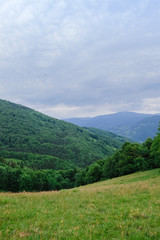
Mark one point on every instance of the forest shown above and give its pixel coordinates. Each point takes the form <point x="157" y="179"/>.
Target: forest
<point x="25" y="130"/>
<point x="17" y="176"/>
<point x="40" y="153"/>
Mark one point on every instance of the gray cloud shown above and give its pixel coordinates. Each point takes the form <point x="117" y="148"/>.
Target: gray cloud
<point x="69" y="58"/>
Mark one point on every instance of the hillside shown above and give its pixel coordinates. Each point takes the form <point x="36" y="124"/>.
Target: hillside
<point x="143" y="129"/>
<point x="132" y="125"/>
<point x="25" y="130"/>
<point x="121" y="208"/>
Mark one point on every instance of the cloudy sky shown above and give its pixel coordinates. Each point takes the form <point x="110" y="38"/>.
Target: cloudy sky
<point x="69" y="58"/>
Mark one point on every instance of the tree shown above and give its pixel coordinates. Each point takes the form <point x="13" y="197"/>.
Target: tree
<point x="3" y="178"/>
<point x="94" y="173"/>
<point x="155" y="151"/>
<point x="26" y="182"/>
<point x="140" y="164"/>
<point x="80" y="178"/>
<point x="13" y="179"/>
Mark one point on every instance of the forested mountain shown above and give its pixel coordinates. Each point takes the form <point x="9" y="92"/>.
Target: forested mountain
<point x="132" y="125"/>
<point x="143" y="129"/>
<point x="40" y="153"/>
<point x="25" y="130"/>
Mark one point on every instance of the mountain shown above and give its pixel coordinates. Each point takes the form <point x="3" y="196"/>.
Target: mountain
<point x="143" y="129"/>
<point x="132" y="125"/>
<point x="109" y="121"/>
<point x="25" y="130"/>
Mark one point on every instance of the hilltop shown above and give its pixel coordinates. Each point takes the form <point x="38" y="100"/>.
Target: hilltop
<point x="25" y="130"/>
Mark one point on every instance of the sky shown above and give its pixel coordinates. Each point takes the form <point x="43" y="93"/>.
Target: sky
<point x="81" y="58"/>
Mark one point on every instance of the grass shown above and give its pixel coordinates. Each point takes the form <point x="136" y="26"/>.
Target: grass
<point x="122" y="208"/>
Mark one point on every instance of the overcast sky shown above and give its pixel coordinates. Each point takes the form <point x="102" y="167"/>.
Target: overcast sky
<point x="71" y="58"/>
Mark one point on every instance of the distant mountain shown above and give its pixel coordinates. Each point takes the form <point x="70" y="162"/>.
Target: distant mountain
<point x="132" y="125"/>
<point x="25" y="130"/>
<point x="143" y="129"/>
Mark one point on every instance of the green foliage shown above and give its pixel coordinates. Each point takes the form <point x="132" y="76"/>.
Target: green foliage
<point x="35" y="161"/>
<point x="25" y="130"/>
<point x="15" y="178"/>
<point x="132" y="157"/>
<point x="69" y="149"/>
<point x="26" y="182"/>
<point x="94" y="173"/>
<point x="3" y="178"/>
<point x="25" y="175"/>
<point x="155" y="151"/>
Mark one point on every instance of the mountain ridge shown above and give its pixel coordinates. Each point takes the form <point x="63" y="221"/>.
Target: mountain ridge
<point x="128" y="124"/>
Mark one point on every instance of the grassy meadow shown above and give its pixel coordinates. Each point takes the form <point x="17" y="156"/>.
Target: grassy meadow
<point x="127" y="207"/>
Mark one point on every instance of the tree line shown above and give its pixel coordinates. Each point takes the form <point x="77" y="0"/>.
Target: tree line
<point x="16" y="175"/>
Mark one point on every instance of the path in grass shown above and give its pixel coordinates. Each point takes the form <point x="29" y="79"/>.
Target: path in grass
<point x="122" y="208"/>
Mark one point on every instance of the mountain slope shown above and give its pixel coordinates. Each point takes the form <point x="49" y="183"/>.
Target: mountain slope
<point x="25" y="130"/>
<point x="144" y="129"/>
<point x="132" y="125"/>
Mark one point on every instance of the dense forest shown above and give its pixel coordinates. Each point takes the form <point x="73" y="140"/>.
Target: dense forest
<point x="93" y="155"/>
<point x="132" y="157"/>
<point x="25" y="130"/>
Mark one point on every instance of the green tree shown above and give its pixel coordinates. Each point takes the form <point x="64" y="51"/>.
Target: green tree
<point x="26" y="182"/>
<point x="155" y="151"/>
<point x="80" y="178"/>
<point x="13" y="183"/>
<point x="3" y="178"/>
<point x="94" y="173"/>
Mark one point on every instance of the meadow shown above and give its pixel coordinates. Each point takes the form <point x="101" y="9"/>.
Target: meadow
<point x="122" y="208"/>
